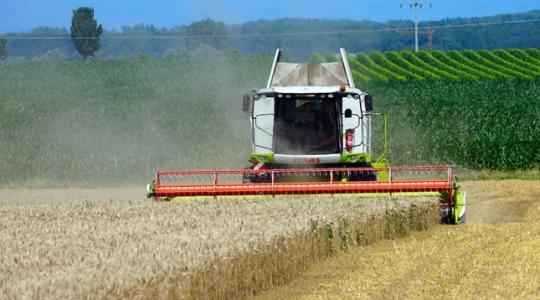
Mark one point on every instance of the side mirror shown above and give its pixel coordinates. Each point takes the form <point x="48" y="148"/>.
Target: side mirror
<point x="246" y="103"/>
<point x="368" y="100"/>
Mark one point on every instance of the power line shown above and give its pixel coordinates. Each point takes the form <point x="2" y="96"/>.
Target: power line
<point x="124" y="36"/>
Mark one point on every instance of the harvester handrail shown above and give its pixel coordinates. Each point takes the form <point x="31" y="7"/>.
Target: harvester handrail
<point x="302" y="170"/>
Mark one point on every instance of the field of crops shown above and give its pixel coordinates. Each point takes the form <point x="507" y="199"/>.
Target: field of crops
<point x="117" y="121"/>
<point x="478" y="125"/>
<point x="109" y="243"/>
<point x="395" y="67"/>
<point x="475" y="109"/>
<point x="495" y="256"/>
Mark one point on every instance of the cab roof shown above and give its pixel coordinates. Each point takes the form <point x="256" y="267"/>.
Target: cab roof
<point x="308" y="90"/>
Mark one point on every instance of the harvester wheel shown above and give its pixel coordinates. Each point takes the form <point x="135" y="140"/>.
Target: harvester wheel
<point x="456" y="214"/>
<point x="446" y="217"/>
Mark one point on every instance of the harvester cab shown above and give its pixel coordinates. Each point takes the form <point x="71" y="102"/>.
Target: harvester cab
<point x="310" y="115"/>
<point x="311" y="134"/>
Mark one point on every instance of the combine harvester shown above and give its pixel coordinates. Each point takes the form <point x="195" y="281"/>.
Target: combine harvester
<point x="311" y="134"/>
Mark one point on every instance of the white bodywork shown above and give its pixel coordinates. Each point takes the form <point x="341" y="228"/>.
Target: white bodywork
<point x="353" y="99"/>
<point x="262" y="124"/>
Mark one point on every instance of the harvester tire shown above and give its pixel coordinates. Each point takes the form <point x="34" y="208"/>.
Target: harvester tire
<point x="447" y="216"/>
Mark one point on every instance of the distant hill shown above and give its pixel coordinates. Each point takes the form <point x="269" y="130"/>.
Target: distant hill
<point x="298" y="37"/>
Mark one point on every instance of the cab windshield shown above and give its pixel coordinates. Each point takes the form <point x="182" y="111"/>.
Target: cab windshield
<point x="306" y="126"/>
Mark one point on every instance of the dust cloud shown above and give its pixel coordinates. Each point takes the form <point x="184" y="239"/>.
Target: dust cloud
<point x="110" y="122"/>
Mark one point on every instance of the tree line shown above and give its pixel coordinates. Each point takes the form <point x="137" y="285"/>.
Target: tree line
<point x="298" y="37"/>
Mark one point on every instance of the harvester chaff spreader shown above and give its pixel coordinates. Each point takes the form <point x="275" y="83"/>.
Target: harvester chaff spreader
<point x="311" y="134"/>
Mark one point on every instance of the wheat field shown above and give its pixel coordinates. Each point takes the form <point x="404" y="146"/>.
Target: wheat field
<point x="109" y="243"/>
<point x="495" y="256"/>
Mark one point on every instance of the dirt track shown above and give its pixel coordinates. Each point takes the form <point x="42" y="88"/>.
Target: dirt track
<point x="70" y="195"/>
<point x="495" y="256"/>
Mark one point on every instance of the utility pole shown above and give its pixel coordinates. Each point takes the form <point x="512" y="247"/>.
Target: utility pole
<point x="415" y="6"/>
<point x="428" y="32"/>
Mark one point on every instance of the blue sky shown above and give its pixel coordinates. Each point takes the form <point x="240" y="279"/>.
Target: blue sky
<point x="23" y="15"/>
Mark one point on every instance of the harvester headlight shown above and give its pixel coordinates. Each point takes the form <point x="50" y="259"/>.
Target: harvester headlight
<point x="356" y="96"/>
<point x="280" y="95"/>
<point x="352" y="158"/>
<point x="330" y="96"/>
